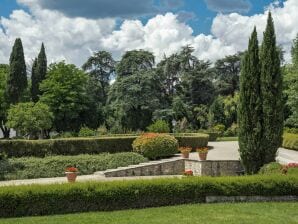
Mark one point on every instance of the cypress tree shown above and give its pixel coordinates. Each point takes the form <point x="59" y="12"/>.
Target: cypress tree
<point x="17" y="78"/>
<point x="250" y="108"/>
<point x="42" y="64"/>
<point x="34" y="82"/>
<point x="271" y="93"/>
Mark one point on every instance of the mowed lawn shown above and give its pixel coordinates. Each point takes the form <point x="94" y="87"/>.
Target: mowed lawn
<point x="186" y="214"/>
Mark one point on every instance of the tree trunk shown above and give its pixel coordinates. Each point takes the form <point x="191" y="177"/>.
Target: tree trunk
<point x="5" y="131"/>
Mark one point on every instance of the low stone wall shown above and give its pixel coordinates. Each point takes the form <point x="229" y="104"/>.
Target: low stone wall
<point x="176" y="166"/>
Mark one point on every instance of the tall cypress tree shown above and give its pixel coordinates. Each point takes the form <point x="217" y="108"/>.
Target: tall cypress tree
<point x="271" y="93"/>
<point x="17" y="78"/>
<point x="250" y="108"/>
<point x="34" y="82"/>
<point x="42" y="64"/>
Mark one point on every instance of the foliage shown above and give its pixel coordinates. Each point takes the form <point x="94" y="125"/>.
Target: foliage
<point x="271" y="94"/>
<point x="153" y="146"/>
<point x="17" y="78"/>
<point x="290" y="141"/>
<point x="216" y="112"/>
<point x="64" y="91"/>
<point x="193" y="140"/>
<point x="29" y="119"/>
<point x="103" y="196"/>
<point x="4" y="105"/>
<point x="54" y="166"/>
<point x="276" y="168"/>
<point x="159" y="126"/>
<point x="86" y="132"/>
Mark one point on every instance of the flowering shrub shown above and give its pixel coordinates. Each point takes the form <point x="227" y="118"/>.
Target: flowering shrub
<point x="71" y="169"/>
<point x="153" y="145"/>
<point x="185" y="149"/>
<point x="202" y="150"/>
<point x="188" y="173"/>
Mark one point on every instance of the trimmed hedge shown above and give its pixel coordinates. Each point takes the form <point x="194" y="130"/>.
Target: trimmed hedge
<point x="54" y="166"/>
<point x="105" y="196"/>
<point x="290" y="141"/>
<point x="76" y="146"/>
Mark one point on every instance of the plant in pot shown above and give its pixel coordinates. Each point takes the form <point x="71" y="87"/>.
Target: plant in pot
<point x="202" y="153"/>
<point x="185" y="151"/>
<point x="71" y="174"/>
<point x="188" y="173"/>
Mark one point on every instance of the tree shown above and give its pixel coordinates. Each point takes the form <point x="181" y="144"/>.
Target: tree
<point x="64" y="91"/>
<point x="227" y="74"/>
<point x="101" y="67"/>
<point x="34" y="82"/>
<point x="250" y="109"/>
<point x="216" y="112"/>
<point x="271" y="93"/>
<point x="30" y="119"/>
<point x="17" y="78"/>
<point x="4" y="70"/>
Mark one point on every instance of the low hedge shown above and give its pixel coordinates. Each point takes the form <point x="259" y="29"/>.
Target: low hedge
<point x="37" y="200"/>
<point x="54" y="166"/>
<point x="290" y="141"/>
<point x="76" y="146"/>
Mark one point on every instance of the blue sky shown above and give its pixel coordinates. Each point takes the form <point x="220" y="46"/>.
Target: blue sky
<point x="196" y="13"/>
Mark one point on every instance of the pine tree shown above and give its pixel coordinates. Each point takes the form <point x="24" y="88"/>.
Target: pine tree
<point x="271" y="93"/>
<point x="17" y="78"/>
<point x="250" y="109"/>
<point x="34" y="82"/>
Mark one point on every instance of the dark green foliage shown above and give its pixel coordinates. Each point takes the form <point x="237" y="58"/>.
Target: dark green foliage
<point x="154" y="146"/>
<point x="193" y="140"/>
<point x="86" y="132"/>
<point x="42" y="64"/>
<point x="34" y="82"/>
<point x="216" y="112"/>
<point x="4" y="105"/>
<point x="271" y="94"/>
<point x="54" y="166"/>
<point x="17" y="78"/>
<point x="250" y="109"/>
<point x="290" y="141"/>
<point x="37" y="200"/>
<point x="159" y="126"/>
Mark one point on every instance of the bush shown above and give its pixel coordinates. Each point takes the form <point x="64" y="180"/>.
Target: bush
<point x="291" y="130"/>
<point x="219" y="128"/>
<point x="212" y="134"/>
<point x="290" y="141"/>
<point x="54" y="166"/>
<point x="159" y="126"/>
<point x="231" y="131"/>
<point x="153" y="146"/>
<point x="86" y="132"/>
<point x="69" y="146"/>
<point x="193" y="140"/>
<point x="38" y="200"/>
<point x="276" y="168"/>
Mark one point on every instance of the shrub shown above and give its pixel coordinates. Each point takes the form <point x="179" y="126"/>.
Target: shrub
<point x="290" y="141"/>
<point x="54" y="166"/>
<point x="219" y="128"/>
<point x="231" y="131"/>
<point x="102" y="130"/>
<point x="291" y="130"/>
<point x="86" y="132"/>
<point x="192" y="140"/>
<point x="159" y="126"/>
<point x="103" y="196"/>
<point x="155" y="146"/>
<point x="276" y="168"/>
<point x="69" y="146"/>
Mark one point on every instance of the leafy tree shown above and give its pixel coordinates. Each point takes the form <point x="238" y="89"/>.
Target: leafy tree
<point x="271" y="93"/>
<point x="4" y="71"/>
<point x="216" y="112"/>
<point x="227" y="74"/>
<point x="159" y="126"/>
<point x="230" y="109"/>
<point x="101" y="67"/>
<point x="64" y="91"/>
<point x="250" y="109"/>
<point x="17" y="78"/>
<point x="30" y="119"/>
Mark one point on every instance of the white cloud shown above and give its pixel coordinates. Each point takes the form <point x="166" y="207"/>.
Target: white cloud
<point x="73" y="39"/>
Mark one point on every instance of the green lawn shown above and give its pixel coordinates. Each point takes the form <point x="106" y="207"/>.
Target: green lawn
<point x="186" y="214"/>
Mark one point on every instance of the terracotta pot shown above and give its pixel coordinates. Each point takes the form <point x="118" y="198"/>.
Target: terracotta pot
<point x="71" y="176"/>
<point x="185" y="155"/>
<point x="203" y="156"/>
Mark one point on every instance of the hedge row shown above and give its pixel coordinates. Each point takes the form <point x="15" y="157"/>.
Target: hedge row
<point x="76" y="146"/>
<point x="105" y="196"/>
<point x="290" y="141"/>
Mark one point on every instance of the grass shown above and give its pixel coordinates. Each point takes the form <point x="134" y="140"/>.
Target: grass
<point x="187" y="214"/>
<point x="221" y="139"/>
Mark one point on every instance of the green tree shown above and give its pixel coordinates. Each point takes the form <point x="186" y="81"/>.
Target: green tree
<point x="4" y="71"/>
<point x="17" y="78"/>
<point x="64" y="91"/>
<point x="250" y="109"/>
<point x="271" y="93"/>
<point x="30" y="119"/>
<point x="34" y="82"/>
<point x="216" y="112"/>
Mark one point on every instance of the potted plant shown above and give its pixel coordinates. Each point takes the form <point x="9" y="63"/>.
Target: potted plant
<point x="185" y="151"/>
<point x="202" y="153"/>
<point x="188" y="173"/>
<point x="71" y="174"/>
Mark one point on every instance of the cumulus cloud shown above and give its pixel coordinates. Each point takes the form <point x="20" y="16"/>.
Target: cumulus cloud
<point x="227" y="6"/>
<point x="74" y="39"/>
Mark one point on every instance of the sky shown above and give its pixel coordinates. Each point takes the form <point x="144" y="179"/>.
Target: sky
<point x="73" y="29"/>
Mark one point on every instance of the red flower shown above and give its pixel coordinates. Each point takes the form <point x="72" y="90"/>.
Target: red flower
<point x="188" y="173"/>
